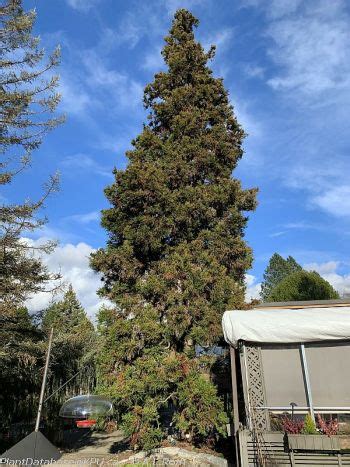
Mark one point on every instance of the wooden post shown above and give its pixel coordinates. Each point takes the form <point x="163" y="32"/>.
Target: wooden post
<point x="43" y="384"/>
<point x="235" y="401"/>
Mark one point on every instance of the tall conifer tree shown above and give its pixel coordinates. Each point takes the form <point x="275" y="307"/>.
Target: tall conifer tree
<point x="176" y="258"/>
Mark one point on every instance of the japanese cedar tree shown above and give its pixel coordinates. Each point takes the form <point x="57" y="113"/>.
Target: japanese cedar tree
<point x="175" y="259"/>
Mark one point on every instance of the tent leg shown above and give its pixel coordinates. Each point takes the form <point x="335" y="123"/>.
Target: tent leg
<point x="307" y="380"/>
<point x="234" y="401"/>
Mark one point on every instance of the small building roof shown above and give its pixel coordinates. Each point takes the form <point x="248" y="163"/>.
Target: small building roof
<point x="296" y="324"/>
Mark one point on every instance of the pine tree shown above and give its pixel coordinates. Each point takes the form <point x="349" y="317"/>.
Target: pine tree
<point x="27" y="102"/>
<point x="277" y="269"/>
<point x="67" y="316"/>
<point x="176" y="258"/>
<point x="26" y="96"/>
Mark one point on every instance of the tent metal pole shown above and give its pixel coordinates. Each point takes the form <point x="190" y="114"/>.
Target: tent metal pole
<point x="43" y="384"/>
<point x="307" y="380"/>
<point x="235" y="401"/>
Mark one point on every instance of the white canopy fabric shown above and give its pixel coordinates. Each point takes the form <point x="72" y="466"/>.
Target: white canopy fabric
<point x="281" y="326"/>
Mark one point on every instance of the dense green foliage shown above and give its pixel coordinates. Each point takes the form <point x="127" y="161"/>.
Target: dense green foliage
<point x="309" y="425"/>
<point x="22" y="353"/>
<point x="23" y="344"/>
<point x="176" y="258"/>
<point x="303" y="285"/>
<point x="73" y="350"/>
<point x="277" y="269"/>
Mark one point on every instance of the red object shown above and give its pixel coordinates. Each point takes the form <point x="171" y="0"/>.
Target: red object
<point x="85" y="423"/>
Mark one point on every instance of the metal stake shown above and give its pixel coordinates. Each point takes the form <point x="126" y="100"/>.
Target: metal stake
<point x="43" y="384"/>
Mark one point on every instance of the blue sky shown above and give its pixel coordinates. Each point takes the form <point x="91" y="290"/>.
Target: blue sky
<point x="286" y="64"/>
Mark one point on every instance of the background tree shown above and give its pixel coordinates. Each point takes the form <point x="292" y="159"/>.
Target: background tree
<point x="176" y="258"/>
<point x="27" y="103"/>
<point x="277" y="269"/>
<point x="74" y="348"/>
<point x="22" y="355"/>
<point x="302" y="285"/>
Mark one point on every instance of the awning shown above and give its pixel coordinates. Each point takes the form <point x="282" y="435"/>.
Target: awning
<point x="281" y="326"/>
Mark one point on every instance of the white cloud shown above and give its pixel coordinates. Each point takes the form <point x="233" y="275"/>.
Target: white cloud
<point x="125" y="91"/>
<point x="73" y="263"/>
<point x="253" y="288"/>
<point x="245" y="117"/>
<point x="75" y="99"/>
<point x="154" y="61"/>
<point x="221" y="39"/>
<point x="328" y="270"/>
<point x="335" y="201"/>
<point x="311" y="48"/>
<point x="82" y="5"/>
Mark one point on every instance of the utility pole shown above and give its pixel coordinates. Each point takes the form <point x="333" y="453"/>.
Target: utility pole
<point x="44" y="382"/>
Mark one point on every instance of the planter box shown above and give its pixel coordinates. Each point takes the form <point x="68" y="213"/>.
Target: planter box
<point x="314" y="443"/>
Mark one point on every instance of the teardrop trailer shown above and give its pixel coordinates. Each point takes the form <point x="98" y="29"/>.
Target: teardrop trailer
<point x="289" y="360"/>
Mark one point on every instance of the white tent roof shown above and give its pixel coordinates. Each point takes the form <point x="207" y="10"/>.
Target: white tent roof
<point x="286" y="326"/>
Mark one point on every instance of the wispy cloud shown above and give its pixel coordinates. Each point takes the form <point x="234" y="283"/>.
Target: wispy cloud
<point x="125" y="91"/>
<point x="221" y="39"/>
<point x="85" y="218"/>
<point x="277" y="234"/>
<point x="75" y="99"/>
<point x="85" y="162"/>
<point x="173" y="5"/>
<point x="254" y="71"/>
<point x="311" y="47"/>
<point x="154" y="60"/>
<point x="308" y="45"/>
<point x="82" y="5"/>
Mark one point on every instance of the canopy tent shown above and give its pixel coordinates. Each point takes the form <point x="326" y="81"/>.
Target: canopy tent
<point x="281" y="326"/>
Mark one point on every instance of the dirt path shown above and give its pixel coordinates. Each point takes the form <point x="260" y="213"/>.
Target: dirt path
<point x="91" y="448"/>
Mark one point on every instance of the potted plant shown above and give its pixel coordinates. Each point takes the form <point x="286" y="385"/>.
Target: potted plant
<point x="307" y="436"/>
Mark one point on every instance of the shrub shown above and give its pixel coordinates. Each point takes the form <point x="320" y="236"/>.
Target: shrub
<point x="293" y="427"/>
<point x="329" y="427"/>
<point x="142" y="427"/>
<point x="201" y="414"/>
<point x="309" y="425"/>
<point x="303" y="285"/>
